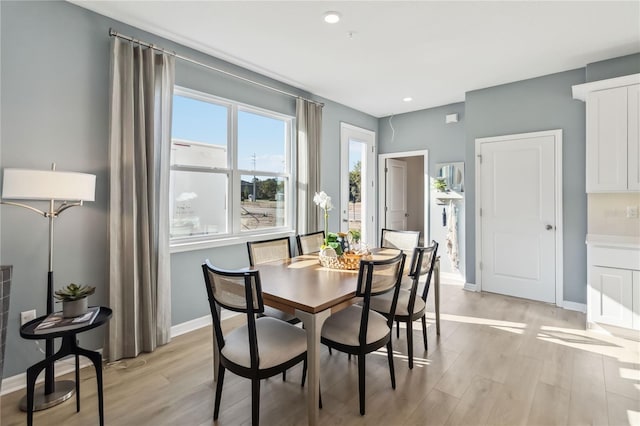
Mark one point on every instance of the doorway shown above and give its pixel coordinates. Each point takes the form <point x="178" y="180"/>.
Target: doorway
<point x="519" y="215"/>
<point x="357" y="182"/>
<point x="403" y="181"/>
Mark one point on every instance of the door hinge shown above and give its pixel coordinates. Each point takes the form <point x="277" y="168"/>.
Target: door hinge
<point x="386" y="170"/>
<point x="480" y="266"/>
<point x="479" y="158"/>
<point x="480" y="211"/>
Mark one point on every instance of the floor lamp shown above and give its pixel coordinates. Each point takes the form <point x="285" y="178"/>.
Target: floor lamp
<point x="66" y="189"/>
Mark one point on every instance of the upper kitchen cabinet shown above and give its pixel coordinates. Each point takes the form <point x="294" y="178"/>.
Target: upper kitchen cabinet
<point x="613" y="122"/>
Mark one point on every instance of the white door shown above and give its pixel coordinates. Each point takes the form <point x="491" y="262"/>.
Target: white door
<point x="395" y="194"/>
<point x="357" y="187"/>
<point x="517" y="216"/>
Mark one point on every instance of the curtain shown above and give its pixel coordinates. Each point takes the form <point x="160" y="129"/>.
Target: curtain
<point x="139" y="289"/>
<point x="309" y="122"/>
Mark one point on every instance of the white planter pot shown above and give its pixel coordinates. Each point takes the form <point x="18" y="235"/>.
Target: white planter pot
<point x="75" y="308"/>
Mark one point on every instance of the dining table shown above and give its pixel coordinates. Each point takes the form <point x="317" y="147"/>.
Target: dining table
<point x="312" y="292"/>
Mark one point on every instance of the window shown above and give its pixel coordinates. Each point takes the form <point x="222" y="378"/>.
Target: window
<point x="230" y="169"/>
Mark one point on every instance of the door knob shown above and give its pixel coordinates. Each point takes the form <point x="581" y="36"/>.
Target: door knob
<point x="406" y="215"/>
<point x="549" y="227"/>
<point x="345" y="220"/>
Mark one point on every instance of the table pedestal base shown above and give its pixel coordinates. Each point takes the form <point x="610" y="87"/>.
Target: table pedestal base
<point x="64" y="390"/>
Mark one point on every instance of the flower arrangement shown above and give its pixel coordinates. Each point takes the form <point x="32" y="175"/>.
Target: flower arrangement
<point x="323" y="201"/>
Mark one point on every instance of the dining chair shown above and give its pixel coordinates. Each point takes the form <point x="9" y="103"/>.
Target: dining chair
<point x="269" y="251"/>
<point x="403" y="240"/>
<point x="409" y="306"/>
<point x="261" y="348"/>
<point x="358" y="330"/>
<point x="310" y="243"/>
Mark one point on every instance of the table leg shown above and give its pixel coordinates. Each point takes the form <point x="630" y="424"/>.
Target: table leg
<point x="436" y="282"/>
<point x="313" y="327"/>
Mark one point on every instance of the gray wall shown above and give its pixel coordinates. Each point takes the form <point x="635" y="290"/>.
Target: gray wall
<point x="615" y="67"/>
<point x="55" y="81"/>
<point x="426" y="129"/>
<point x="542" y="103"/>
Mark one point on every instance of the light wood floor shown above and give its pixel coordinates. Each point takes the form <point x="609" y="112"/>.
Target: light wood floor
<point x="499" y="361"/>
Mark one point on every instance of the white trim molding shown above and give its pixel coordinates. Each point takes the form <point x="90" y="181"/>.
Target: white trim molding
<point x="580" y="91"/>
<point x="471" y="287"/>
<point x="574" y="306"/>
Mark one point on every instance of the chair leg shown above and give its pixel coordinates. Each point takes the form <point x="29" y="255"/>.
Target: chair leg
<point x="361" y="382"/>
<point x="284" y="376"/>
<point x="391" y="371"/>
<point x="77" y="383"/>
<point x="304" y="372"/>
<point x="255" y="402"/>
<point x="216" y="409"/>
<point x="424" y="332"/>
<point x="398" y="329"/>
<point x="330" y="350"/>
<point x="410" y="344"/>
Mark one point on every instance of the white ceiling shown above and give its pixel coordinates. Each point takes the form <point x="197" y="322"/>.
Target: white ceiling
<point x="432" y="51"/>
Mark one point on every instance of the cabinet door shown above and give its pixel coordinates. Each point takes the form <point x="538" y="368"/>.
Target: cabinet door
<point x="607" y="140"/>
<point x="633" y="116"/>
<point x="636" y="299"/>
<point x="611" y="296"/>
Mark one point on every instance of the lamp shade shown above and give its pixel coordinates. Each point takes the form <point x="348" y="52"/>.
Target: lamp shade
<point x="24" y="184"/>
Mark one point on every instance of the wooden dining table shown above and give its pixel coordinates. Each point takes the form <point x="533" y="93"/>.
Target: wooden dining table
<point x="304" y="288"/>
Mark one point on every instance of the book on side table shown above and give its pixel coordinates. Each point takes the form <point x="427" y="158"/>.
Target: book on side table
<point x="56" y="322"/>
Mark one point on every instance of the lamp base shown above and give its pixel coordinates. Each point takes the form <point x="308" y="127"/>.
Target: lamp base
<point x="64" y="390"/>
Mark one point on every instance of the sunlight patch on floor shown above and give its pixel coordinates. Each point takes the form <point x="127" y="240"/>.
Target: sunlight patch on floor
<point x="481" y="321"/>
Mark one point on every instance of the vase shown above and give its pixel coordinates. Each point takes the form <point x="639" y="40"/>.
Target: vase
<point x="75" y="308"/>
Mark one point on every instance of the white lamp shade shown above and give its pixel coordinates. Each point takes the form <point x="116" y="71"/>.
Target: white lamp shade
<point x="24" y="184"/>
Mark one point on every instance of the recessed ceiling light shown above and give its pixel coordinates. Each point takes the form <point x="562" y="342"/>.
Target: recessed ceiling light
<point x="331" y="17"/>
<point x="407" y="99"/>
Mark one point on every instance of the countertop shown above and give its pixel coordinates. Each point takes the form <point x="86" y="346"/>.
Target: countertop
<point x="613" y="241"/>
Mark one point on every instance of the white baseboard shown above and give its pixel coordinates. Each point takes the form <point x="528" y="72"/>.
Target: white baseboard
<point x="573" y="306"/>
<point x="191" y="325"/>
<point x="470" y="287"/>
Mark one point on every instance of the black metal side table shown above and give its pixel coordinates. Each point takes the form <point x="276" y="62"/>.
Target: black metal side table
<point x="69" y="347"/>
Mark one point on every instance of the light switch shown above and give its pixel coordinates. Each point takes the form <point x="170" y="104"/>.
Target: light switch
<point x="632" y="211"/>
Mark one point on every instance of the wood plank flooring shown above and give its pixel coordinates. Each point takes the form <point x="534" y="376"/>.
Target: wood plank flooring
<point x="498" y="361"/>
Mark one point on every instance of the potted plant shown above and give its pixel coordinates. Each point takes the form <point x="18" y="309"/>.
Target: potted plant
<point x="74" y="299"/>
<point x="440" y="184"/>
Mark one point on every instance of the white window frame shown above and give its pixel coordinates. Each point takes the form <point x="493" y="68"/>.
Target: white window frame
<point x="234" y="234"/>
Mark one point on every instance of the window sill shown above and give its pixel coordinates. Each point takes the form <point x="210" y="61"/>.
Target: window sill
<point x="186" y="246"/>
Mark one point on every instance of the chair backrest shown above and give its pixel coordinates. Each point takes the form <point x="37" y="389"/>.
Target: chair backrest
<point x="238" y="291"/>
<point x="424" y="259"/>
<point x="423" y="264"/>
<point x="403" y="240"/>
<point x="378" y="277"/>
<point x="269" y="250"/>
<point x="310" y="243"/>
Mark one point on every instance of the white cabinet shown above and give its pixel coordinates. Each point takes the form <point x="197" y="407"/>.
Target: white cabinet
<point x="613" y="147"/>
<point x="611" y="296"/>
<point x="614" y="282"/>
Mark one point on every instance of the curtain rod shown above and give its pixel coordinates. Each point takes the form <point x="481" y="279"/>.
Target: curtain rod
<point x="113" y="33"/>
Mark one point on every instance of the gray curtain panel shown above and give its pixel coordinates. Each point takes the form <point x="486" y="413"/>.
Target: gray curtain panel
<point x="309" y="129"/>
<point x="139" y="279"/>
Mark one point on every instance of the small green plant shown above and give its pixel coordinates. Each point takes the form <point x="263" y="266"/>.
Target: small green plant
<point x="355" y="234"/>
<point x="74" y="292"/>
<point x="440" y="184"/>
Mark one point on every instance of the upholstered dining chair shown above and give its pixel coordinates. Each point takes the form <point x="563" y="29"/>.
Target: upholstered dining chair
<point x="310" y="243"/>
<point x="358" y="330"/>
<point x="409" y="306"/>
<point x="261" y="348"/>
<point x="403" y="240"/>
<point x="269" y="251"/>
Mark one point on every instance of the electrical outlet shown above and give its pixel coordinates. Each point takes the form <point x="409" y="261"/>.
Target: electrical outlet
<point x="632" y="212"/>
<point x="27" y="316"/>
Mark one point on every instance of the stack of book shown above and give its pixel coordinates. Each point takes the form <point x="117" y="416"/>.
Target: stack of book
<point x="56" y="322"/>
